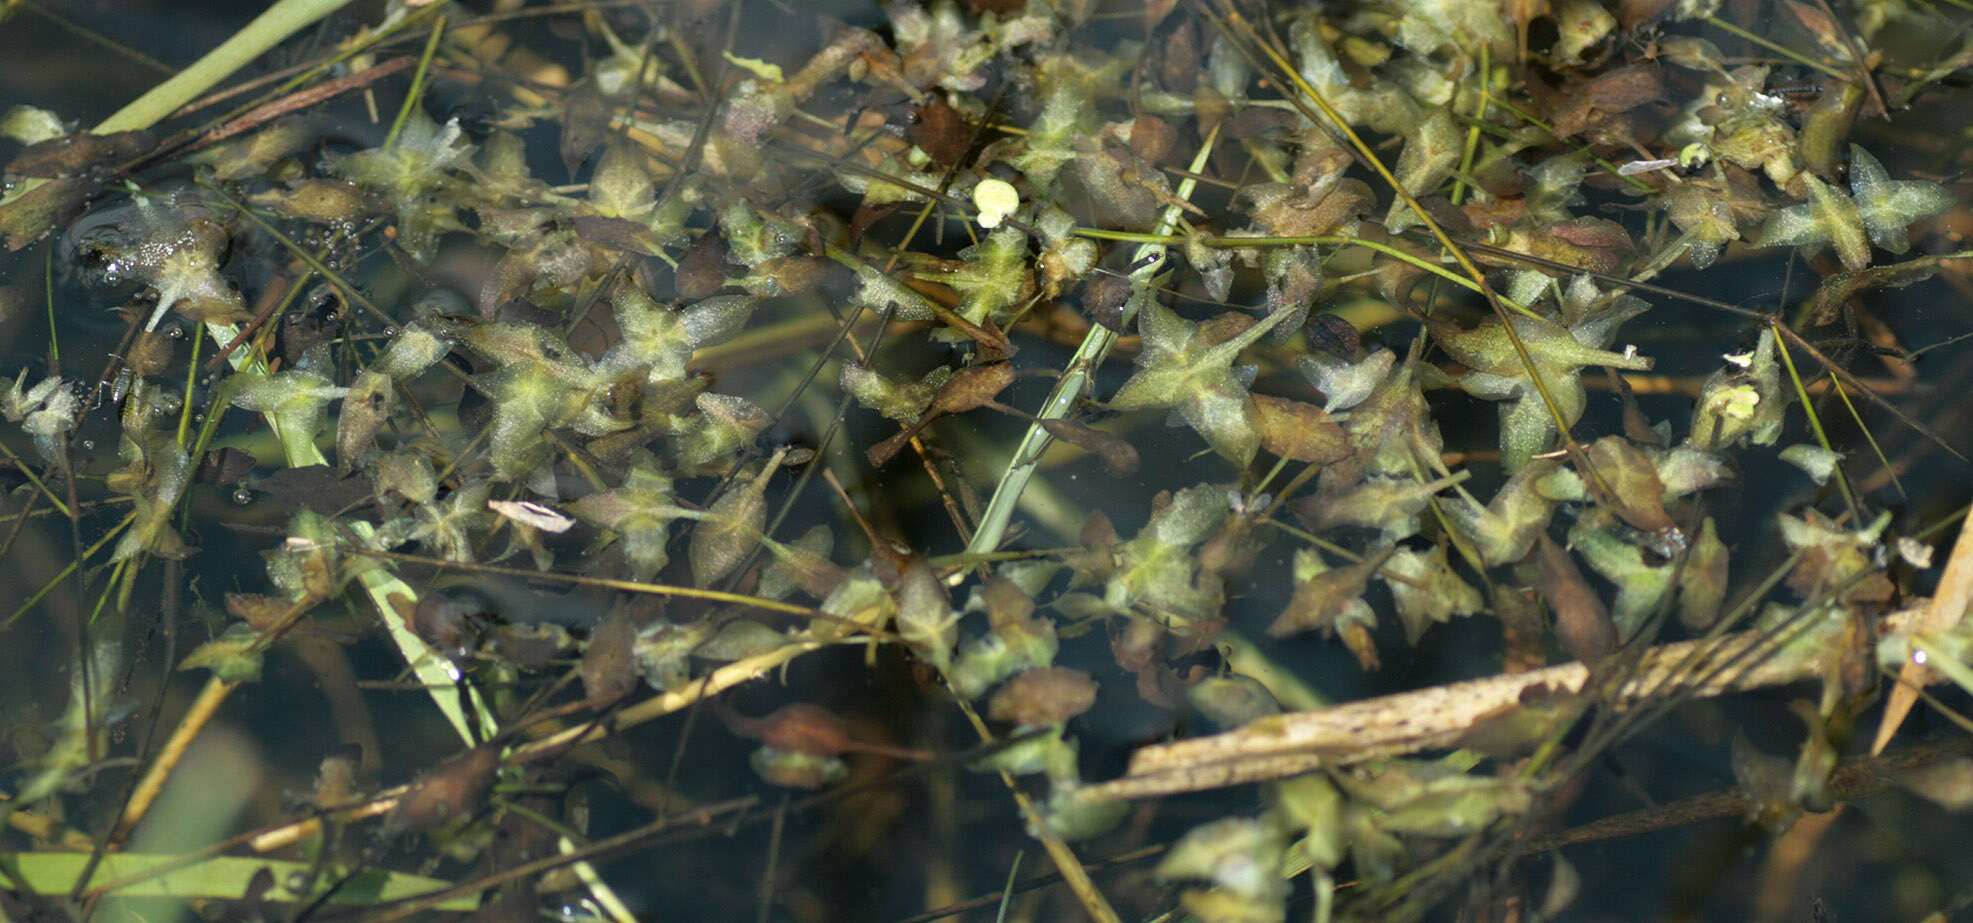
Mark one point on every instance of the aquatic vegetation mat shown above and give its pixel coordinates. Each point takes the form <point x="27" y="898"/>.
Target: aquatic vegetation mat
<point x="1041" y="458"/>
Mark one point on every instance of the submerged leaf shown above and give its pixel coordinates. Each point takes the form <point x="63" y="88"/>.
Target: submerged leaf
<point x="1183" y="367"/>
<point x="1327" y="598"/>
<point x="1426" y="590"/>
<point x="1042" y="696"/>
<point x="925" y="617"/>
<point x="1829" y="217"/>
<point x="1889" y="206"/>
<point x="731" y="527"/>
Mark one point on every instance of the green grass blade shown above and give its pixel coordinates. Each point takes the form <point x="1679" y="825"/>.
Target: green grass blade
<point x="219" y="878"/>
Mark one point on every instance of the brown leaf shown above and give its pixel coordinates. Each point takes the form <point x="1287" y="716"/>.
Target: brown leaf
<point x="365" y="408"/>
<point x="585" y="125"/>
<point x="967" y="389"/>
<point x="1043" y="695"/>
<point x="1819" y="25"/>
<point x="1582" y="623"/>
<point x="29" y="216"/>
<point x="1179" y="57"/>
<point x="791" y="275"/>
<point x="796" y="728"/>
<point x="446" y="794"/>
<point x="1523" y="636"/>
<point x="81" y="152"/>
<point x="1574" y="108"/>
<point x="1624" y="88"/>
<point x="1119" y="457"/>
<point x="152" y="353"/>
<point x="1634" y="492"/>
<point x="939" y="130"/>
<point x="1321" y="598"/>
<point x="1296" y="430"/>
<point x="972" y="387"/>
<point x="609" y="670"/>
<point x="609" y="233"/>
<point x="1007" y="605"/>
<point x="1335" y="335"/>
<point x="259" y="612"/>
<point x="1152" y="138"/>
<point x="702" y="267"/>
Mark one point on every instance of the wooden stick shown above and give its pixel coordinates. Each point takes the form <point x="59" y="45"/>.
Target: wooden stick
<point x="1279" y="746"/>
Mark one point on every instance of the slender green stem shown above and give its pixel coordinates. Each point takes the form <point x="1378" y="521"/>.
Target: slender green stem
<point x="1145" y="263"/>
<point x="1319" y="240"/>
<point x="34" y="479"/>
<point x="1815" y="424"/>
<point x="1472" y="145"/>
<point x="56" y="581"/>
<point x="270" y="28"/>
<point x="1868" y="437"/>
<point x="417" y="93"/>
<point x="1607" y="166"/>
<point x="48" y="295"/>
<point x="1784" y="51"/>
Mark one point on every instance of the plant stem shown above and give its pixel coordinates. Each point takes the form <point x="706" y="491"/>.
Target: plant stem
<point x="270" y="28"/>
<point x="1145" y="263"/>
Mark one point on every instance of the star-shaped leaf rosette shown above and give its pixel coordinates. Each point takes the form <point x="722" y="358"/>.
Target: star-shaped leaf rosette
<point x="1878" y="207"/>
<point x="1186" y="367"/>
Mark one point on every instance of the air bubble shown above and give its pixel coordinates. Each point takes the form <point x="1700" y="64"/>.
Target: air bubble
<point x="243" y="496"/>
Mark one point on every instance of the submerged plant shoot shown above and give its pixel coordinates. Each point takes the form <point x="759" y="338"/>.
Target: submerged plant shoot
<point x="988" y="459"/>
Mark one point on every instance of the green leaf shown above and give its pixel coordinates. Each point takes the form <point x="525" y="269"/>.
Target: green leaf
<point x="1880" y="206"/>
<point x="1497" y="372"/>
<point x="218" y="878"/>
<point x="622" y="187"/>
<point x="231" y="656"/>
<point x="1426" y="590"/>
<point x="1240" y="854"/>
<point x="995" y="276"/>
<point x="1183" y="368"/>
<point x="1889" y="206"/>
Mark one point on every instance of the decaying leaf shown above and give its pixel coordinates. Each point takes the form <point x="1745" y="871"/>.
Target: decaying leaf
<point x="1582" y="623"/>
<point x="1041" y="696"/>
